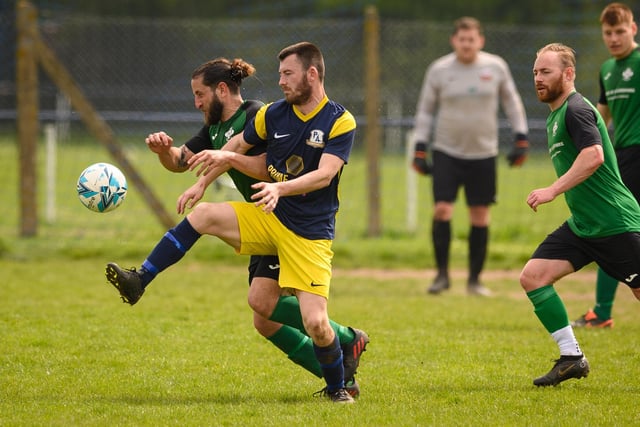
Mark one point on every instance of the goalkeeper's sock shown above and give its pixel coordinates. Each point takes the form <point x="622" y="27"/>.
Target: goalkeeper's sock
<point x="606" y="287"/>
<point x="441" y="235"/>
<point x="287" y="312"/>
<point x="553" y="315"/>
<point x="478" y="240"/>
<point x="169" y="250"/>
<point x="298" y="347"/>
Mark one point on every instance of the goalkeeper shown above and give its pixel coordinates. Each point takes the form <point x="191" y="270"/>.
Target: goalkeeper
<point x="459" y="99"/>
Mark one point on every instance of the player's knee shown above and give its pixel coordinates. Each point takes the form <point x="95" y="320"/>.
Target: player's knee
<point x="319" y="330"/>
<point x="443" y="211"/>
<point x="199" y="217"/>
<point x="528" y="280"/>
<point x="259" y="306"/>
<point x="265" y="327"/>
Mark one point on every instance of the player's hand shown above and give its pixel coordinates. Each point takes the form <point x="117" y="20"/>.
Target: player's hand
<point x="190" y="197"/>
<point x="159" y="142"/>
<point x="421" y="162"/>
<point x="267" y="196"/>
<point x="207" y="160"/>
<point x="519" y="152"/>
<point x="539" y="197"/>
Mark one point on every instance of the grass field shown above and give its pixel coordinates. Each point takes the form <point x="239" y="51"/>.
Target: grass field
<point x="187" y="354"/>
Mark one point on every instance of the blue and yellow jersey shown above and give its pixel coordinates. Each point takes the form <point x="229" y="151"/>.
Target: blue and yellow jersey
<point x="295" y="143"/>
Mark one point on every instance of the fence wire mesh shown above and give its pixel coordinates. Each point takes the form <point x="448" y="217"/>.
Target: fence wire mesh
<point x="136" y="73"/>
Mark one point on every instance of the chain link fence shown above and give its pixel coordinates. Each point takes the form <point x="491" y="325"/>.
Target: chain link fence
<point x="136" y="73"/>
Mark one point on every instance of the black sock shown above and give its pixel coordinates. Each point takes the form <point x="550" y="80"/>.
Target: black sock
<point x="441" y="235"/>
<point x="478" y="240"/>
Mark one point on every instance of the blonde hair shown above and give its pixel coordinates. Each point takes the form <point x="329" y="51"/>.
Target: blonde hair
<point x="566" y="54"/>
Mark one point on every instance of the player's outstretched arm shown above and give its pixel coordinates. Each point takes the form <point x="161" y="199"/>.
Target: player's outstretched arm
<point x="172" y="158"/>
<point x="231" y="155"/>
<point x="588" y="161"/>
<point x="193" y="194"/>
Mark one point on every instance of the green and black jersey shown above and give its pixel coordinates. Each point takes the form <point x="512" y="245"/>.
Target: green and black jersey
<point x="620" y="91"/>
<point x="215" y="136"/>
<point x="601" y="205"/>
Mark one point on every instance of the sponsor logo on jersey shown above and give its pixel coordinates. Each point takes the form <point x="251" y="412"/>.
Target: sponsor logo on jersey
<point x="316" y="139"/>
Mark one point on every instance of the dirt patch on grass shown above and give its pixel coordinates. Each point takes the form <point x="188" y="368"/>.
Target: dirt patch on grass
<point x="429" y="274"/>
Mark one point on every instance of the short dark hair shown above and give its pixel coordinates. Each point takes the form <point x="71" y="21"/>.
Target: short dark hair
<point x="615" y="14"/>
<point x="467" y="23"/>
<point x="308" y="54"/>
<point x="222" y="70"/>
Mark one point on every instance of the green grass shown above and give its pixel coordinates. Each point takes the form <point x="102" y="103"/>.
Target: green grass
<point x="187" y="354"/>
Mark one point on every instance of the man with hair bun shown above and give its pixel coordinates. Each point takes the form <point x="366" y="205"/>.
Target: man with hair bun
<point x="216" y="90"/>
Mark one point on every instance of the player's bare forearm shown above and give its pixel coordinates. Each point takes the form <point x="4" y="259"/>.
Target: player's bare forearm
<point x="172" y="160"/>
<point x="193" y="194"/>
<point x="253" y="166"/>
<point x="585" y="164"/>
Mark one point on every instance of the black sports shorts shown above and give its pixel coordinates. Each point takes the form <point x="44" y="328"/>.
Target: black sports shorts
<point x="617" y="255"/>
<point x="477" y="176"/>
<point x="264" y="266"/>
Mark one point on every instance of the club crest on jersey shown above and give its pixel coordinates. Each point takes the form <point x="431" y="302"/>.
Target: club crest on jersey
<point x="316" y="139"/>
<point x="627" y="74"/>
<point x="228" y="134"/>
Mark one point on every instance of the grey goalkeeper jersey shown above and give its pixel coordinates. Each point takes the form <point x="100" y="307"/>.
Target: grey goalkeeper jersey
<point x="463" y="99"/>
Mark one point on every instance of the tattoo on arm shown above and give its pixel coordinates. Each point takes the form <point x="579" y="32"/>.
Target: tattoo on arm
<point x="182" y="161"/>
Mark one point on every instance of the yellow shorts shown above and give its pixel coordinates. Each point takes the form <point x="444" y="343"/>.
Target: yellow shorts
<point x="304" y="264"/>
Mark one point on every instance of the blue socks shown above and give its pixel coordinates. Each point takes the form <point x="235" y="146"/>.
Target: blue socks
<point x="169" y="250"/>
<point x="330" y="359"/>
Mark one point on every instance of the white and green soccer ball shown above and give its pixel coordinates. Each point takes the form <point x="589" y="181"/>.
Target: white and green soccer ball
<point x="102" y="187"/>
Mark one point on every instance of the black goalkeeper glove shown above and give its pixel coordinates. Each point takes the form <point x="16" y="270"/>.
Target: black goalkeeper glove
<point x="519" y="152"/>
<point x="421" y="162"/>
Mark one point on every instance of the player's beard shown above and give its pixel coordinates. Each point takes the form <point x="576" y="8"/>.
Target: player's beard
<point x="214" y="113"/>
<point x="552" y="92"/>
<point x="301" y="94"/>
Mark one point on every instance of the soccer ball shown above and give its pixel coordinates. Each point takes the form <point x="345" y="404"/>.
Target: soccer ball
<point x="102" y="187"/>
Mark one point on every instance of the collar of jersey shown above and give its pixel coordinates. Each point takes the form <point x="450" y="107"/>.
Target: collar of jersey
<point x="305" y="117"/>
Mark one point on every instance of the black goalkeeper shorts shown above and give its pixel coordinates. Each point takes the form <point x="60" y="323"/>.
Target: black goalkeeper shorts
<point x="478" y="177"/>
